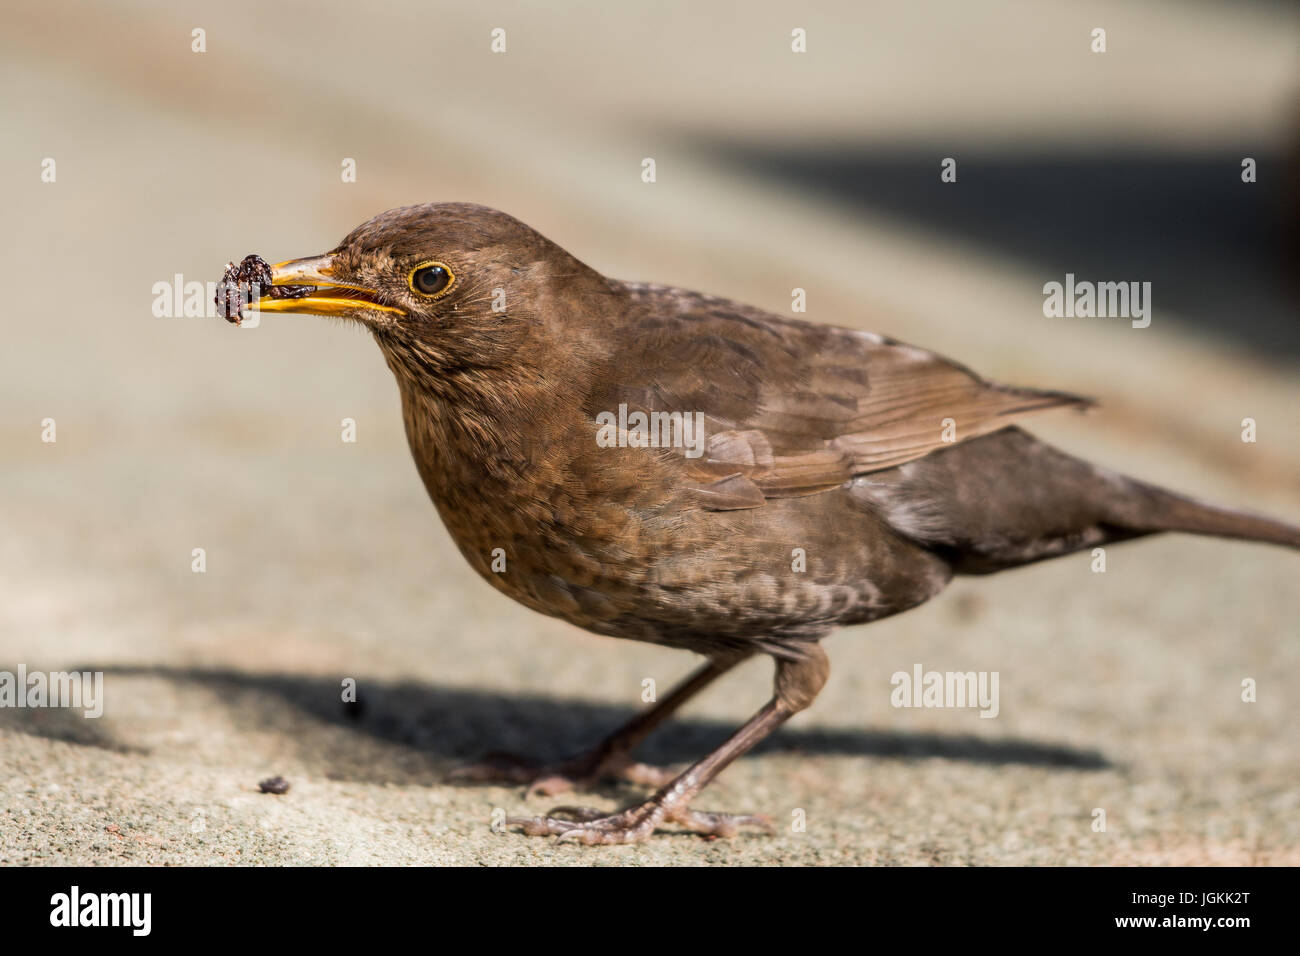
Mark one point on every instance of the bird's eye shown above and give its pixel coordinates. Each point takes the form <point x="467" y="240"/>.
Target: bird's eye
<point x="432" y="279"/>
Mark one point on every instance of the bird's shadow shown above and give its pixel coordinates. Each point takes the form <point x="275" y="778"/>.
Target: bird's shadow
<point x="427" y="729"/>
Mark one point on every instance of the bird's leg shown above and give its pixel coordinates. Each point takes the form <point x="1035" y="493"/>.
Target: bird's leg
<point x="797" y="684"/>
<point x="609" y="759"/>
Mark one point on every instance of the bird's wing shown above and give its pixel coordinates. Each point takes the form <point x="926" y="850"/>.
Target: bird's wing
<point x="791" y="408"/>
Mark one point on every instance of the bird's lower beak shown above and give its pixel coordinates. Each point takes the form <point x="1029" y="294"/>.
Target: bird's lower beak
<point x="309" y="286"/>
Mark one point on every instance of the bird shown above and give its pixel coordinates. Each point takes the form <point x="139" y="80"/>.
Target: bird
<point x="661" y="465"/>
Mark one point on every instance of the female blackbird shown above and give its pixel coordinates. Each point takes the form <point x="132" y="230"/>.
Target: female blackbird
<point x="666" y="466"/>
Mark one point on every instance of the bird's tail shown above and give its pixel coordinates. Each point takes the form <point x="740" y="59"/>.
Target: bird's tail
<point x="1161" y="510"/>
<point x="1007" y="499"/>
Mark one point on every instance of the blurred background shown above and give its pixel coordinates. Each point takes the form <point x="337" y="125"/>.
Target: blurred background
<point x="774" y="170"/>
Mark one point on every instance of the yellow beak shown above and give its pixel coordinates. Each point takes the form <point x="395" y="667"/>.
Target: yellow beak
<point x="328" y="296"/>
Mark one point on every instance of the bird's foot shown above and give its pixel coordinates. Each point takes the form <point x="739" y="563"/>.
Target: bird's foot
<point x="634" y="824"/>
<point x="549" y="780"/>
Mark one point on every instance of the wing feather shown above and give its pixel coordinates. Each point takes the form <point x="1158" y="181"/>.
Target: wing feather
<point x="791" y="408"/>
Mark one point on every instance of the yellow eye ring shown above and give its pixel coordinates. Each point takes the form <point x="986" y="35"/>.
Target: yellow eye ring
<point x="431" y="279"/>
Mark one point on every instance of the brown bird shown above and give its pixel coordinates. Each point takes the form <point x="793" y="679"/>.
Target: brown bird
<point x="666" y="466"/>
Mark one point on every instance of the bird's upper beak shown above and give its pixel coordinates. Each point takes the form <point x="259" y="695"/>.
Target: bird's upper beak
<point x="312" y="288"/>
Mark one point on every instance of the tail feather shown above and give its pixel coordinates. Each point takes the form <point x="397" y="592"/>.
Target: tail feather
<point x="1007" y="499"/>
<point x="1167" y="511"/>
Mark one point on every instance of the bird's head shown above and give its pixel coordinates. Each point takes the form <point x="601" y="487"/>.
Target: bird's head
<point x="446" y="288"/>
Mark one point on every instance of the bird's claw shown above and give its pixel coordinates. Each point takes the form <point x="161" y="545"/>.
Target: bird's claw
<point x="712" y="824"/>
<point x="592" y="827"/>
